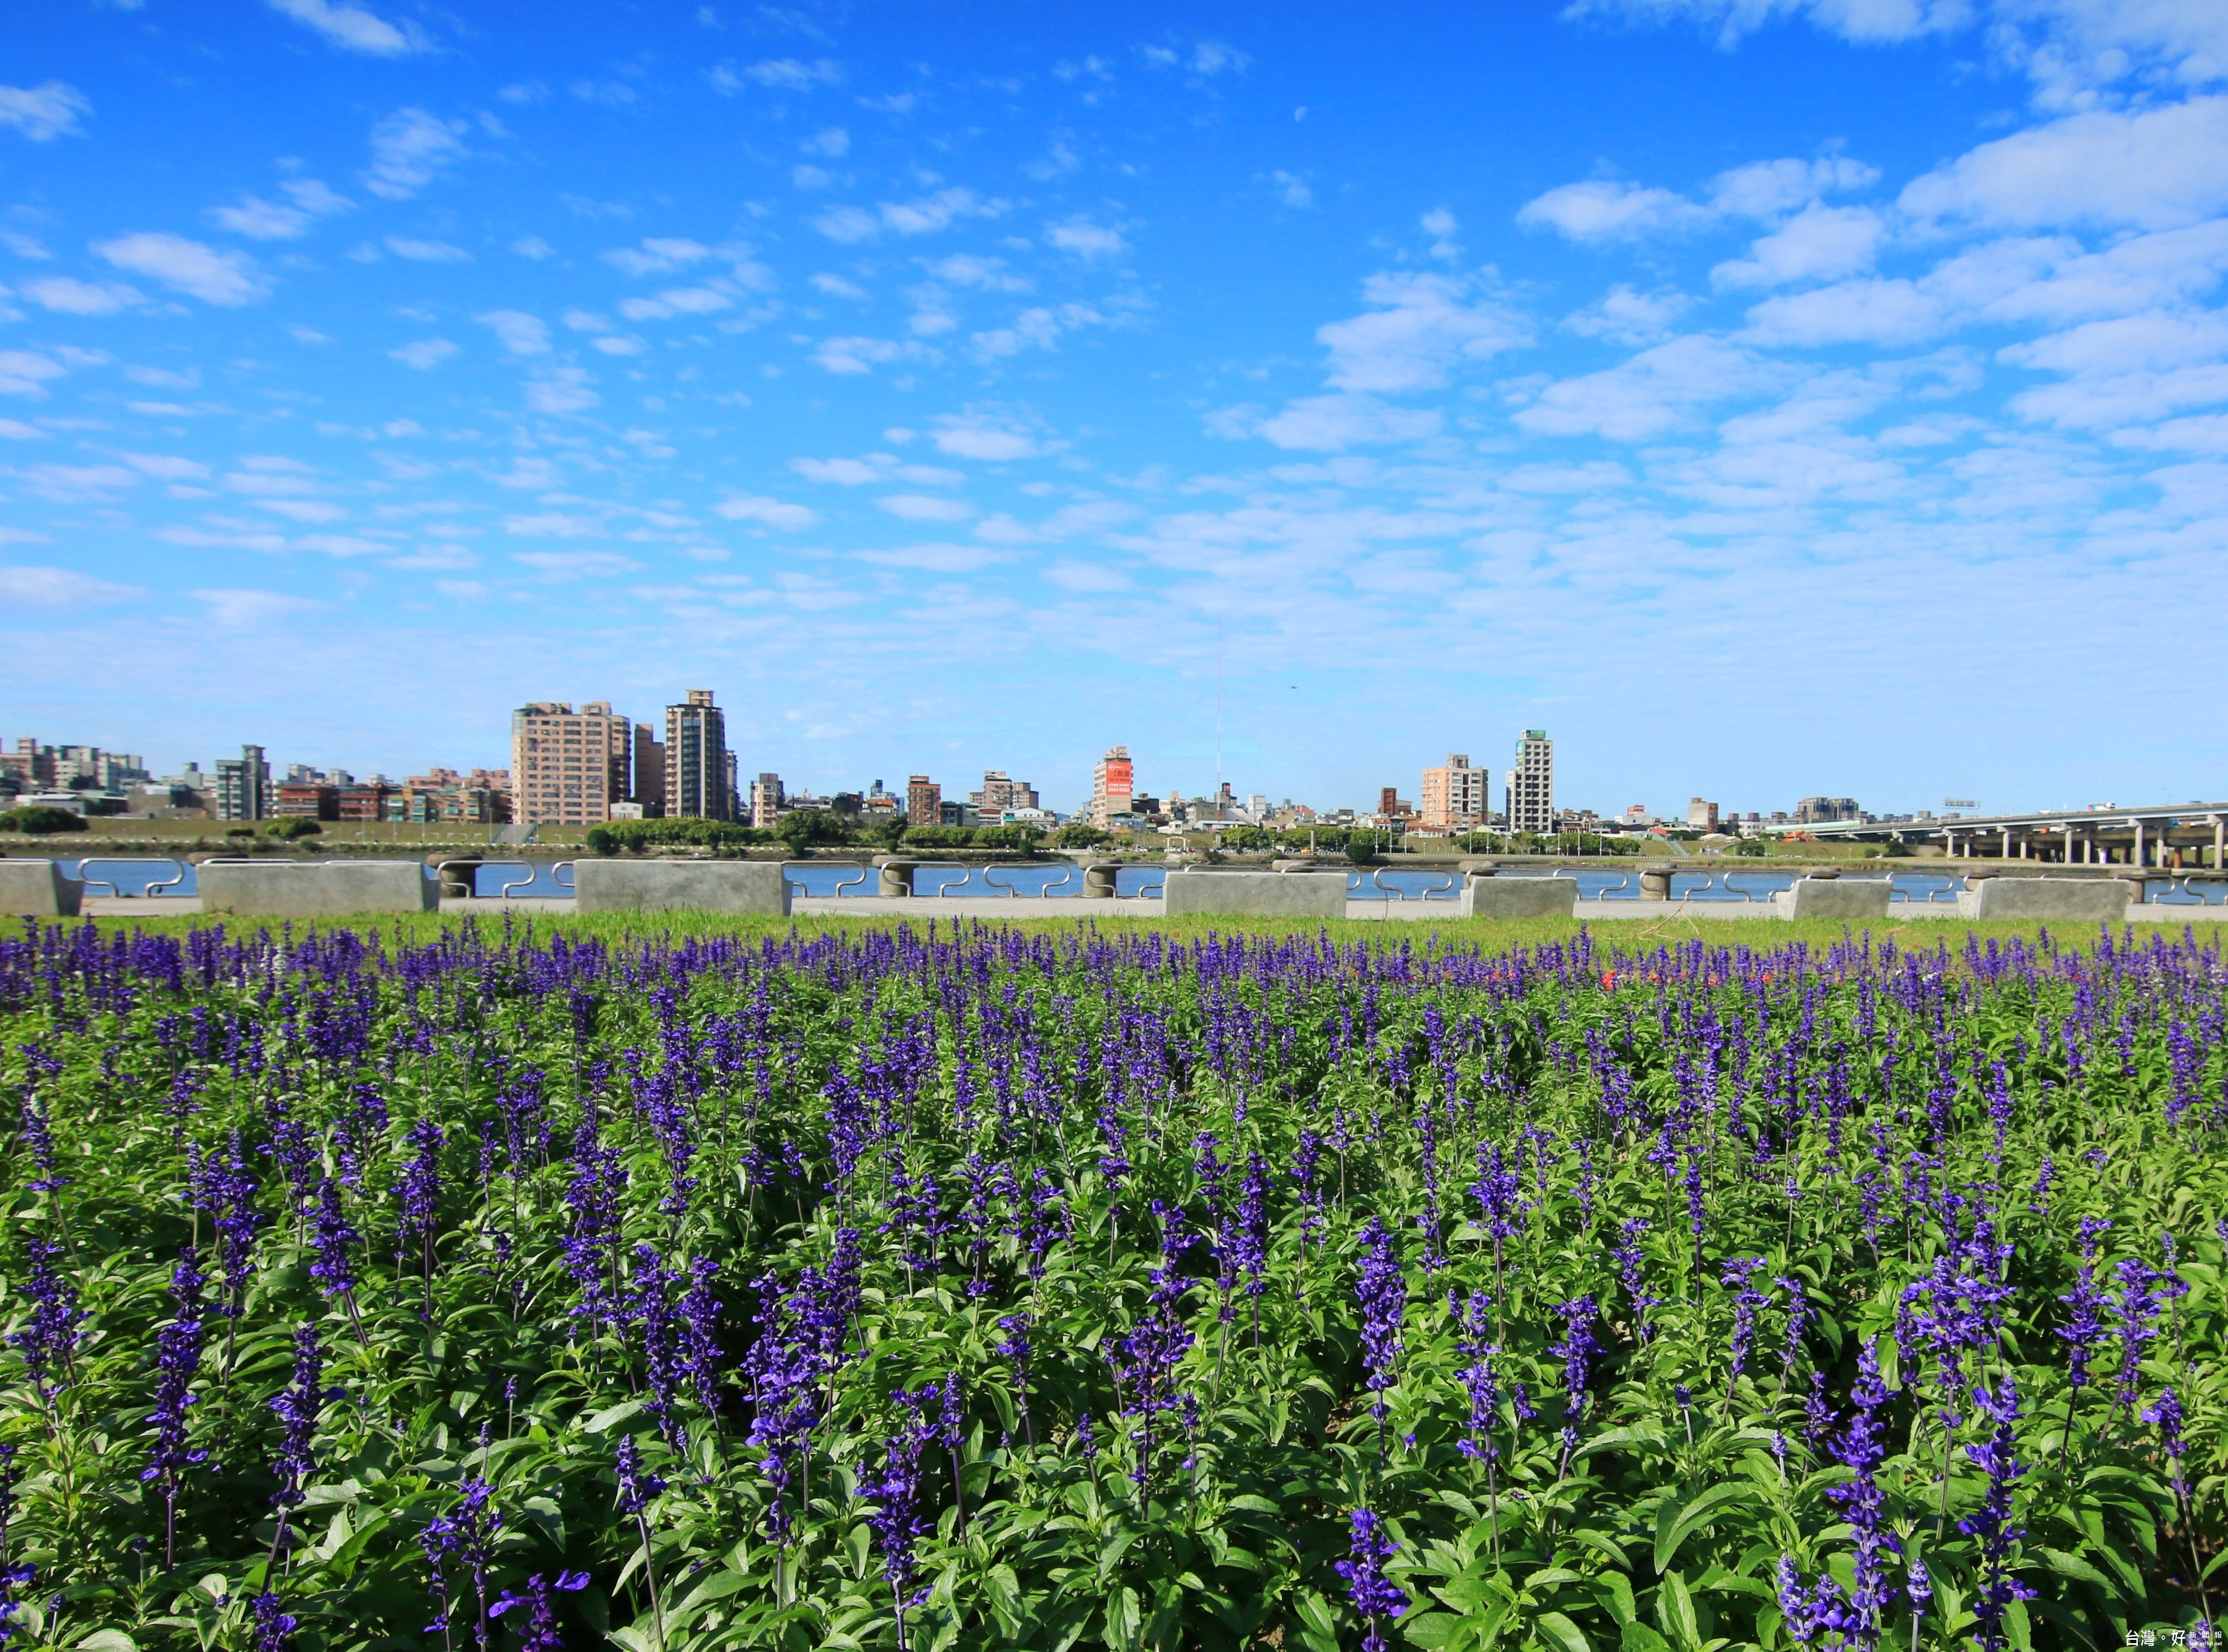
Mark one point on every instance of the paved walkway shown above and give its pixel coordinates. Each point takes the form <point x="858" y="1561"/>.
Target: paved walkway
<point x="920" y="910"/>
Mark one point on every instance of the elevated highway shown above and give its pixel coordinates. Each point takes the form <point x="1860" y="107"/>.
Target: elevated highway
<point x="2185" y="834"/>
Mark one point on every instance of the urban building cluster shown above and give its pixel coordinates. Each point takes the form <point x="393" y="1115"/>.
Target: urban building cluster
<point x="593" y="764"/>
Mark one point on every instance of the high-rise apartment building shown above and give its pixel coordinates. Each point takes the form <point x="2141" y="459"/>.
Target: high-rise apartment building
<point x="1113" y="784"/>
<point x="924" y="802"/>
<point x="1455" y="796"/>
<point x="243" y="785"/>
<point x="696" y="760"/>
<point x="568" y="767"/>
<point x="1812" y="811"/>
<point x="1000" y="793"/>
<point x="1702" y="815"/>
<point x="1530" y="784"/>
<point x="649" y="770"/>
<point x="768" y="799"/>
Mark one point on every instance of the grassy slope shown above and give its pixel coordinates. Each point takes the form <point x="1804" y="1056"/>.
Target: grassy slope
<point x="1491" y="935"/>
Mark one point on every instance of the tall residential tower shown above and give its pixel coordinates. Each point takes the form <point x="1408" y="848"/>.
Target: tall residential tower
<point x="696" y="759"/>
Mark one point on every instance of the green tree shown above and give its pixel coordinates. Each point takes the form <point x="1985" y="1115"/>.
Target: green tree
<point x="295" y="829"/>
<point x="38" y="820"/>
<point x="1361" y="848"/>
<point x="1080" y="835"/>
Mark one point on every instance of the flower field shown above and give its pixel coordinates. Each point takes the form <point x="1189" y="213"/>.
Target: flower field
<point x="964" y="1287"/>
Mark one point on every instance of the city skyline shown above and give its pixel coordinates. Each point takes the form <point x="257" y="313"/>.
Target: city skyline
<point x="1846" y="378"/>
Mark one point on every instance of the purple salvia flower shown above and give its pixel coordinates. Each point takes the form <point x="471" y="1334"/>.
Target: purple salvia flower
<point x="894" y="1514"/>
<point x="1373" y="1595"/>
<point x="298" y="1405"/>
<point x="1577" y="1350"/>
<point x="2135" y="1313"/>
<point x="1991" y="1526"/>
<point x="274" y="1627"/>
<point x="540" y="1632"/>
<point x="334" y="1269"/>
<point x="1864" y="1504"/>
<point x="1014" y="1350"/>
<point x="1740" y="1273"/>
<point x="50" y="1336"/>
<point x="177" y="1362"/>
<point x="1382" y="1290"/>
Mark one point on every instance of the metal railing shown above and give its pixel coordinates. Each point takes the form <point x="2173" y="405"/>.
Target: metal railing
<point x="2179" y="890"/>
<point x="476" y="862"/>
<point x="1448" y="890"/>
<point x="1898" y="894"/>
<point x="150" y="892"/>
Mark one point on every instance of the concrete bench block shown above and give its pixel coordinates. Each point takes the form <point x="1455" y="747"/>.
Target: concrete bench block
<point x="1193" y="893"/>
<point x="752" y="888"/>
<point x="2093" y="900"/>
<point x="1492" y="897"/>
<point x="38" y="889"/>
<point x="315" y="888"/>
<point x="1845" y="899"/>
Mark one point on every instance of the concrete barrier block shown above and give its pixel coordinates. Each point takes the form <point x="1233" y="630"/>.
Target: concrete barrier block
<point x="315" y="888"/>
<point x="38" y="889"/>
<point x="2091" y="900"/>
<point x="1491" y="897"/>
<point x="752" y="888"/>
<point x="1193" y="893"/>
<point x="1845" y="899"/>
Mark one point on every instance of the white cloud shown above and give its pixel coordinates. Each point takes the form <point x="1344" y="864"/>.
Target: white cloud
<point x="213" y="277"/>
<point x="658" y="255"/>
<point x="1419" y="329"/>
<point x="424" y="252"/>
<point x="2153" y="169"/>
<point x="409" y="149"/>
<point x="1852" y="313"/>
<point x="831" y="141"/>
<point x="1609" y="210"/>
<point x="23" y="373"/>
<point x="970" y="436"/>
<point x="1649" y="394"/>
<point x="851" y="355"/>
<point x="937" y="558"/>
<point x="423" y="353"/>
<point x="1292" y="189"/>
<point x="559" y="566"/>
<point x="532" y="246"/>
<point x="774" y="513"/>
<point x="1606" y="211"/>
<point x="38" y="588"/>
<point x="925" y="508"/>
<point x="678" y="301"/>
<point x="242" y="610"/>
<point x="920" y="216"/>
<point x="73" y="297"/>
<point x="1625" y="316"/>
<point x="1769" y="189"/>
<point x="521" y="334"/>
<point x="562" y="390"/>
<point x="836" y="287"/>
<point x="1084" y="239"/>
<point x="271" y="221"/>
<point x="353" y="28"/>
<point x="1818" y="244"/>
<point x="783" y="73"/>
<point x="43" y="112"/>
<point x="1331" y="424"/>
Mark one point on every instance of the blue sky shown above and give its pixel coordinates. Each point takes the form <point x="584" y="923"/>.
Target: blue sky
<point x="1766" y="398"/>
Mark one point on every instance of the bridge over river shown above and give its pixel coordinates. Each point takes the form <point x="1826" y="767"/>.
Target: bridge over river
<point x="2171" y="836"/>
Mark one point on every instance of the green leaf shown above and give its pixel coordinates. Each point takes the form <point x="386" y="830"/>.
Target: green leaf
<point x="1124" y="1619"/>
<point x="1675" y="1523"/>
<point x="109" y="1639"/>
<point x="1675" y="1613"/>
<point x="1558" y="1630"/>
<point x="2072" y="1566"/>
<point x="1318" y="1623"/>
<point x="1638" y="1637"/>
<point x="612" y="1415"/>
<point x="1617" y="1597"/>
